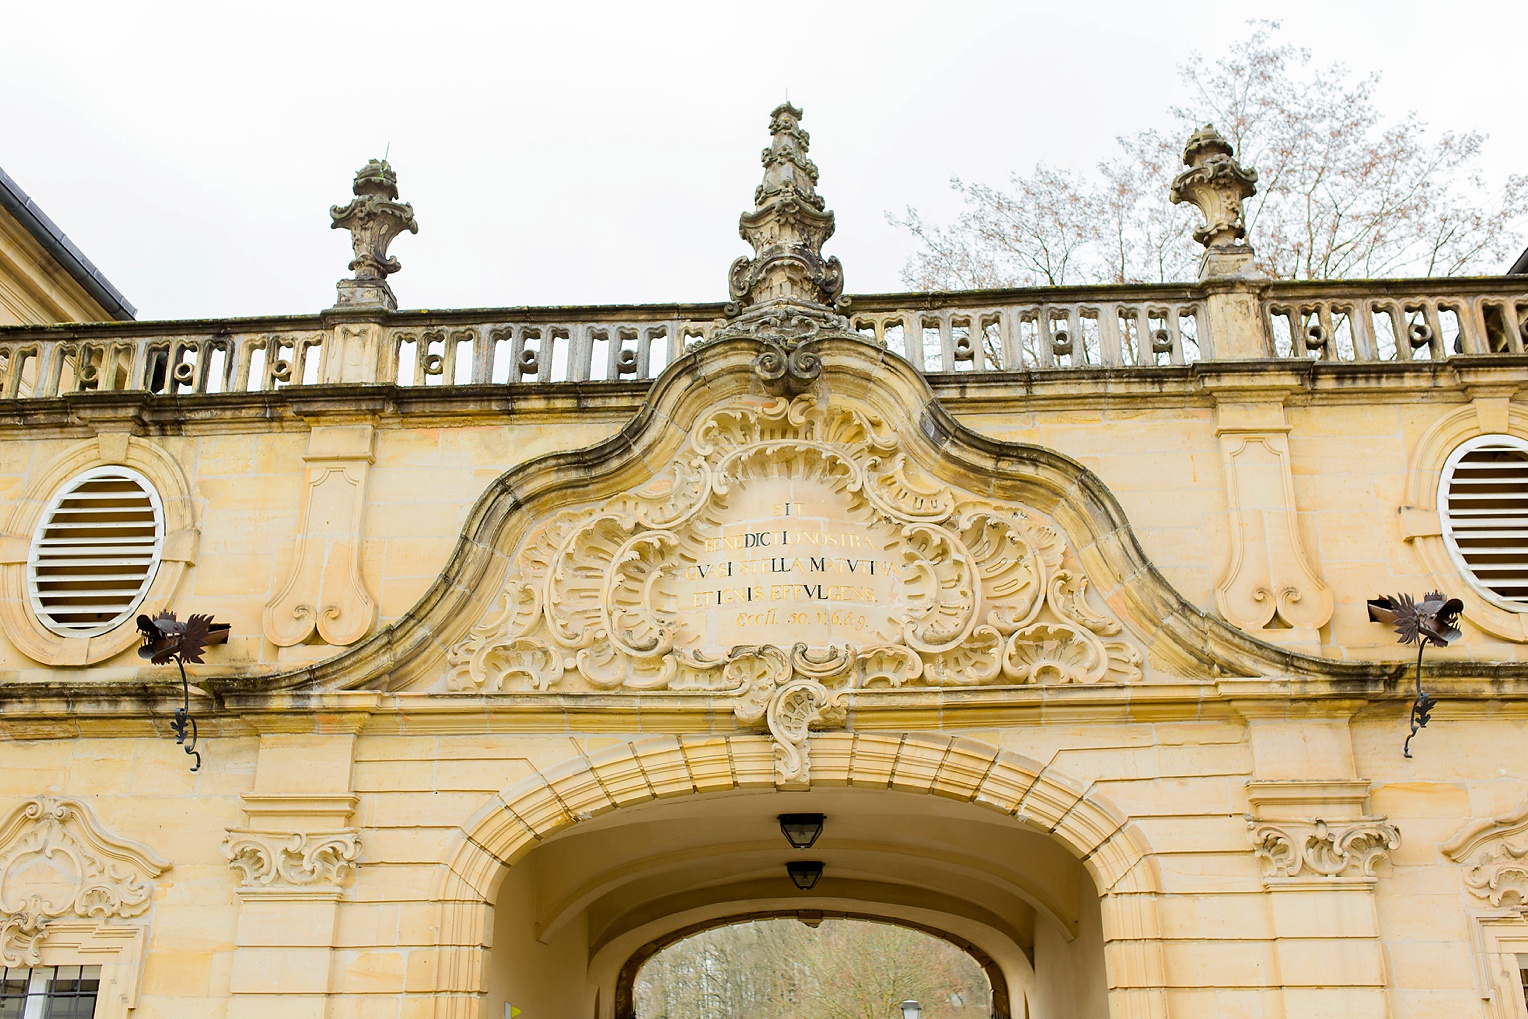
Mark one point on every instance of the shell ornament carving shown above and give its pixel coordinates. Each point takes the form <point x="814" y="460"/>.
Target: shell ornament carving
<point x="792" y="553"/>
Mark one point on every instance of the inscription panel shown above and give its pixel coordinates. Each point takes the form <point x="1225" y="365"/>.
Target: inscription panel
<point x="789" y="564"/>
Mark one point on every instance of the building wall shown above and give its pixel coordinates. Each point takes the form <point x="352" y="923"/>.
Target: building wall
<point x="422" y="805"/>
<point x="35" y="289"/>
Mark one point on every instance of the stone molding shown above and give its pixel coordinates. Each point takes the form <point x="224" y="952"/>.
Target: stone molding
<point x="317" y="863"/>
<point x="1296" y="798"/>
<point x="58" y="863"/>
<point x="1421" y="524"/>
<point x="1321" y="853"/>
<point x="1268" y="577"/>
<point x="177" y="554"/>
<point x="1494" y="852"/>
<point x="325" y="591"/>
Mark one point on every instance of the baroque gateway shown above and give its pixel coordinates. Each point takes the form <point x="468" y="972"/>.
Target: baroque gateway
<point x="1059" y="606"/>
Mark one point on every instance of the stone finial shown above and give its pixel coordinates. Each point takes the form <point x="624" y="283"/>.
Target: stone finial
<point x="787" y="228"/>
<point x="1218" y="184"/>
<point x="374" y="217"/>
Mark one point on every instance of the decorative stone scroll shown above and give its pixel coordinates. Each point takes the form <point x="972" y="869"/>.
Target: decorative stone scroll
<point x="791" y="524"/>
<point x="1495" y="854"/>
<point x="58" y="863"/>
<point x="319" y="861"/>
<point x="1344" y="850"/>
<point x="325" y="590"/>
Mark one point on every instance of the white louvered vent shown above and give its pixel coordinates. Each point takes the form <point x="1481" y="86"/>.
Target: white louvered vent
<point x="1483" y="499"/>
<point x="95" y="552"/>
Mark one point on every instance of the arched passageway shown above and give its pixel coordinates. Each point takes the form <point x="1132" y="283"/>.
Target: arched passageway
<point x="831" y="966"/>
<point x="574" y="899"/>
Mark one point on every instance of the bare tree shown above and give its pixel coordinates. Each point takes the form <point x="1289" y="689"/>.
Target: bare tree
<point x="844" y="969"/>
<point x="1342" y="191"/>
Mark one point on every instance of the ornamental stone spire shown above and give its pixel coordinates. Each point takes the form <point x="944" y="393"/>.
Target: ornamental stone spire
<point x="1218" y="184"/>
<point x="374" y="217"/>
<point x="787" y="298"/>
<point x="787" y="228"/>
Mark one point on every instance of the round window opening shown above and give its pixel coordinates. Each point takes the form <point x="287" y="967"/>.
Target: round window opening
<point x="1483" y="502"/>
<point x="95" y="552"/>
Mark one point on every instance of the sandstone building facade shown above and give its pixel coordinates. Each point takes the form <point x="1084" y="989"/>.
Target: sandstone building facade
<point x="1053" y="603"/>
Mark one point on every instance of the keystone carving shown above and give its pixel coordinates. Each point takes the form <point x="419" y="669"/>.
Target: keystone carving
<point x="325" y="591"/>
<point x="788" y="693"/>
<point x="1495" y="854"/>
<point x="802" y="524"/>
<point x="374" y="217"/>
<point x="1345" y="850"/>
<point x="57" y="861"/>
<point x="320" y="861"/>
<point x="1218" y="185"/>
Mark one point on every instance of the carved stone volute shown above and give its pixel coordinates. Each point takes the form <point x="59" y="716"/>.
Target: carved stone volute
<point x="374" y="217"/>
<point x="1217" y="184"/>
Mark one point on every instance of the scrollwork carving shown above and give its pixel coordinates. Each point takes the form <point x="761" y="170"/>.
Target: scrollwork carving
<point x="1341" y="850"/>
<point x="1495" y="854"/>
<point x="321" y="861"/>
<point x="57" y="861"/>
<point x="791" y="523"/>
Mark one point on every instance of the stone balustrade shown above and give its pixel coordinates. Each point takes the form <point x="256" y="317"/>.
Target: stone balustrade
<point x="1397" y="320"/>
<point x="1114" y="327"/>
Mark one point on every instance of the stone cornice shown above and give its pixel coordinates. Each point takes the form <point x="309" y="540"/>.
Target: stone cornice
<point x="1297" y="383"/>
<point x="369" y="712"/>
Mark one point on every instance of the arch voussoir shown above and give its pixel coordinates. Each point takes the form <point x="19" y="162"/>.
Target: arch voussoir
<point x="709" y="759"/>
<point x="620" y="772"/>
<point x="919" y="757"/>
<point x="1008" y="782"/>
<point x="1050" y="798"/>
<point x="664" y="764"/>
<point x="874" y="759"/>
<point x="967" y="763"/>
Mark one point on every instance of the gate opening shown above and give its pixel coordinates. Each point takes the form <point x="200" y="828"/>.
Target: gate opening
<point x="809" y="965"/>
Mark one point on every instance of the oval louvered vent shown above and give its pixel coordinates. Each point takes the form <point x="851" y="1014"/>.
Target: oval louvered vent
<point x="95" y="552"/>
<point x="1483" y="496"/>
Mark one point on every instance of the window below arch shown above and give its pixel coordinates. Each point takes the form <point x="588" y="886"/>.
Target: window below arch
<point x="1483" y="503"/>
<point x="95" y="551"/>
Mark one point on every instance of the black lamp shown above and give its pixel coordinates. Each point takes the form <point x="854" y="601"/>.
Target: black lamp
<point x="805" y="874"/>
<point x="801" y="830"/>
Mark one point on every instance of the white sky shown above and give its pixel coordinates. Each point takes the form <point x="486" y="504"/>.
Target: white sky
<point x="600" y="153"/>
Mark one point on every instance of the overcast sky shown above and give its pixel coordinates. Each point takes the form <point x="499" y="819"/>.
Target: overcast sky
<point x="601" y="153"/>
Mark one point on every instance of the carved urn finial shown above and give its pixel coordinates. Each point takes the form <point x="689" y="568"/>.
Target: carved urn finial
<point x="1218" y="184"/>
<point x="787" y="228"/>
<point x="374" y="217"/>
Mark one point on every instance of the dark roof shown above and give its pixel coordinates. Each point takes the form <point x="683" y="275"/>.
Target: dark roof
<point x="36" y="222"/>
<point x="1520" y="267"/>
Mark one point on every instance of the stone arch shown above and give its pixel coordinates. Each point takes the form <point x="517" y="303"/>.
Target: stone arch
<point x="1113" y="851"/>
